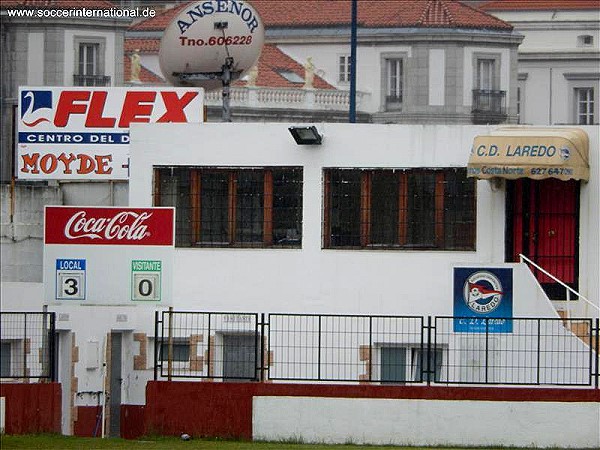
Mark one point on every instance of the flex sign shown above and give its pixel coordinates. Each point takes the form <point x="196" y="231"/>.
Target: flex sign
<point x="83" y="133"/>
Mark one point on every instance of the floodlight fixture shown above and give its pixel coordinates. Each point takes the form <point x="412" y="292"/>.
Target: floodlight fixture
<point x="306" y="135"/>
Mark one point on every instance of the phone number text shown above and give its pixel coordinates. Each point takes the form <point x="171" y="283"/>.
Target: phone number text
<point x="214" y="40"/>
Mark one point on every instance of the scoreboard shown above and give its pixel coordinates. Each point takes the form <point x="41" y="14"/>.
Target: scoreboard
<point x="108" y="256"/>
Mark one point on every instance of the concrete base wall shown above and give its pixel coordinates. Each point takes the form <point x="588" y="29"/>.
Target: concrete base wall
<point x="373" y="414"/>
<point x="427" y="422"/>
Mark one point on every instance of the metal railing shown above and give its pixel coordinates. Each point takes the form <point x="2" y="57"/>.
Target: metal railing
<point x="523" y="351"/>
<point x="27" y="345"/>
<point x="489" y="101"/>
<point x="377" y="349"/>
<point x="207" y="345"/>
<point x="342" y="348"/>
<point x="91" y="80"/>
<point x="568" y="289"/>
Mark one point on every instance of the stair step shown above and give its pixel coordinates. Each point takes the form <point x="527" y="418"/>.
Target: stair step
<point x="582" y="330"/>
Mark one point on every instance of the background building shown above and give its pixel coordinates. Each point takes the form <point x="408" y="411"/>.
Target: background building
<point x="428" y="61"/>
<point x="559" y="57"/>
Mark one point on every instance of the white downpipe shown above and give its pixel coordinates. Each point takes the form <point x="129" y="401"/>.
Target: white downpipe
<point x="104" y="362"/>
<point x="569" y="289"/>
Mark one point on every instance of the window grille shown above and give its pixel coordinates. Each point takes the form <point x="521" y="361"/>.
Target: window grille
<point x="395" y="83"/>
<point x="399" y="208"/>
<point x="585" y="105"/>
<point x="344" y="62"/>
<point x="243" y="207"/>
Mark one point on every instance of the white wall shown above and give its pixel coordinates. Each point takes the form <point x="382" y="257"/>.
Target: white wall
<point x="548" y="95"/>
<point x="331" y="281"/>
<point x="426" y="422"/>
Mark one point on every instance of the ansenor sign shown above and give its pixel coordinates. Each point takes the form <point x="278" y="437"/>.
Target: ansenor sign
<point x="83" y="133"/>
<point x="203" y="35"/>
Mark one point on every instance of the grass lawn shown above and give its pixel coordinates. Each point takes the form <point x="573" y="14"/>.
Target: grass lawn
<point x="56" y="442"/>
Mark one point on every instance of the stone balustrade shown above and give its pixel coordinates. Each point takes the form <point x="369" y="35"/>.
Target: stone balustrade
<point x="262" y="97"/>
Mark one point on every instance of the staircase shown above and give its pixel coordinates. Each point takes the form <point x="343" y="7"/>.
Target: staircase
<point x="583" y="329"/>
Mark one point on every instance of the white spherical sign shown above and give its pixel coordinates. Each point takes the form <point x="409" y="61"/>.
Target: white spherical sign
<point x="204" y="34"/>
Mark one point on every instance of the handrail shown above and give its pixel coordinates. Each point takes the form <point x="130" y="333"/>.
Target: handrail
<point x="567" y="287"/>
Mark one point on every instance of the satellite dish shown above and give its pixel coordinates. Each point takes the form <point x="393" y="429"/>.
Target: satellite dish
<point x="209" y="41"/>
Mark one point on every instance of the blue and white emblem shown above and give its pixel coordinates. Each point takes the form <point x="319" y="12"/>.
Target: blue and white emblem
<point x="36" y="107"/>
<point x="482" y="292"/>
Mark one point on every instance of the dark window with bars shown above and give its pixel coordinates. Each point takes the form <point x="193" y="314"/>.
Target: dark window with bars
<point x="239" y="207"/>
<point x="399" y="208"/>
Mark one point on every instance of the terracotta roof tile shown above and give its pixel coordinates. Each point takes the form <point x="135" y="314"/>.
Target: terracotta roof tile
<point x="371" y="13"/>
<point x="532" y="5"/>
<point x="143" y="45"/>
<point x="272" y="60"/>
<point x="56" y="4"/>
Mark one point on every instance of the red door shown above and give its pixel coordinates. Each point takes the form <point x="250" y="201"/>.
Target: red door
<point x="543" y="225"/>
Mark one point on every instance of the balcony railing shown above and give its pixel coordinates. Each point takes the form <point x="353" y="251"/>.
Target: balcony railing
<point x="289" y="98"/>
<point x="91" y="80"/>
<point x="489" y="106"/>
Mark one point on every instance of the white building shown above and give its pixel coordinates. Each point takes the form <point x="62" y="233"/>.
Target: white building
<point x="559" y="80"/>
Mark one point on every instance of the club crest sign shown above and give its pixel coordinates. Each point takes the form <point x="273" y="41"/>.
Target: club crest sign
<point x="482" y="300"/>
<point x="482" y="292"/>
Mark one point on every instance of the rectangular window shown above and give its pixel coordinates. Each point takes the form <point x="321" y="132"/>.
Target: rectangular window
<point x="485" y="74"/>
<point x="344" y="62"/>
<point x="89" y="63"/>
<point x="88" y="59"/>
<point x="394" y="82"/>
<point x="5" y="360"/>
<point x="180" y="350"/>
<point x="399" y="208"/>
<point x="519" y="104"/>
<point x="409" y="364"/>
<point x="584" y="98"/>
<point x="239" y="207"/>
<point x="239" y="356"/>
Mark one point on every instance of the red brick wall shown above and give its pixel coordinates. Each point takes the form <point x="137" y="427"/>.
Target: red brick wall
<point x="132" y="421"/>
<point x="32" y="407"/>
<point x="87" y="417"/>
<point x="225" y="409"/>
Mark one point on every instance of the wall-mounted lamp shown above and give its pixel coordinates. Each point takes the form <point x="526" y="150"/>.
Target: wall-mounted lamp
<point x="306" y="135"/>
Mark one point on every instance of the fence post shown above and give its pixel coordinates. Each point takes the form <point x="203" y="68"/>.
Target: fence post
<point x="157" y="344"/>
<point x="52" y="347"/>
<point x="487" y="343"/>
<point x="428" y="356"/>
<point x="208" y="352"/>
<point x="263" y="348"/>
<point x="597" y="351"/>
<point x="539" y="338"/>
<point x="25" y="346"/>
<point x="170" y="353"/>
<point x="319" y="352"/>
<point x="370" y="365"/>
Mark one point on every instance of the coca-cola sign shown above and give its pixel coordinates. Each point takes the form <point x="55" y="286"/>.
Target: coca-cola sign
<point x="108" y="226"/>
